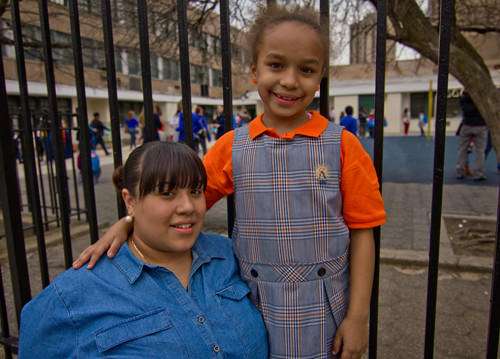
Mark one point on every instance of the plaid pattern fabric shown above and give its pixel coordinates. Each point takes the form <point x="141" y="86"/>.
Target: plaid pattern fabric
<point x="290" y="237"/>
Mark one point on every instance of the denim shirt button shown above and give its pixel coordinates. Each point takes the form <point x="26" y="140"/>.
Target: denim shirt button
<point x="216" y="348"/>
<point x="254" y="273"/>
<point x="200" y="319"/>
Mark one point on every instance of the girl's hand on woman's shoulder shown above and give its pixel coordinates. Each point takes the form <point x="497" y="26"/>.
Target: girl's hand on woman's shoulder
<point x="351" y="339"/>
<point x="111" y="242"/>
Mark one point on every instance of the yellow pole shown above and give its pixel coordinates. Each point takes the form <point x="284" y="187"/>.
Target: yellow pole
<point x="430" y="107"/>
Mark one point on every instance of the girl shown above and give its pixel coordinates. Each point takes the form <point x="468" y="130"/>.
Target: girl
<point x="307" y="198"/>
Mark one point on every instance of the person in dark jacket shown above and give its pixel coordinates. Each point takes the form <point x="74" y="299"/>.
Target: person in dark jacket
<point x="473" y="130"/>
<point x="98" y="128"/>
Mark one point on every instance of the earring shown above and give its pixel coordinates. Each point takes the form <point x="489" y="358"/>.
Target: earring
<point x="129" y="218"/>
<point x="254" y="81"/>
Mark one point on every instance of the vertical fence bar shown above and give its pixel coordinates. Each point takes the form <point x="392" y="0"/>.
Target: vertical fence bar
<point x="225" y="36"/>
<point x="107" y="26"/>
<point x="494" y="321"/>
<point x="185" y="71"/>
<point x="9" y="188"/>
<point x="445" y="24"/>
<point x="378" y="148"/>
<point x="73" y="167"/>
<point x="4" y="318"/>
<point x="30" y="174"/>
<point x="84" y="145"/>
<point x="61" y="178"/>
<point x="149" y="129"/>
<point x="324" y="11"/>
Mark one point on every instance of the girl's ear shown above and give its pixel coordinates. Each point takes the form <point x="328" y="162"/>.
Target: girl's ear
<point x="253" y="78"/>
<point x="129" y="201"/>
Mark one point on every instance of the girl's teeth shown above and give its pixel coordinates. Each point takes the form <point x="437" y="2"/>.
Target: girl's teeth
<point x="183" y="226"/>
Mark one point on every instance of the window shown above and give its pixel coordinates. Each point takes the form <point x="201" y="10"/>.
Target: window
<point x="60" y="2"/>
<point x="90" y="6"/>
<point x="32" y="38"/>
<point x="199" y="74"/>
<point x="93" y="54"/>
<point x="118" y="60"/>
<point x="216" y="45"/>
<point x="170" y="69"/>
<point x="134" y="63"/>
<point x="62" y="51"/>
<point x="216" y="78"/>
<point x="366" y="103"/>
<point x="7" y="50"/>
<point x="155" y="73"/>
<point x="198" y="40"/>
<point x="418" y="103"/>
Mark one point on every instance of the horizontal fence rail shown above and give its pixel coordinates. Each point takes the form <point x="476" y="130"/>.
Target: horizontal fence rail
<point x="40" y="134"/>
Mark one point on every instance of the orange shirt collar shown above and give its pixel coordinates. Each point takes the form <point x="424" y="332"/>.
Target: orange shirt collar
<point x="313" y="127"/>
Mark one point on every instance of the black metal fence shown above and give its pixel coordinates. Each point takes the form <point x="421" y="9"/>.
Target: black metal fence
<point x="10" y="186"/>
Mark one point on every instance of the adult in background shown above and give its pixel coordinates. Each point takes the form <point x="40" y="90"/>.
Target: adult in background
<point x="170" y="292"/>
<point x="221" y="122"/>
<point x="158" y="125"/>
<point x="362" y="122"/>
<point x="473" y="130"/>
<point x="132" y="124"/>
<point x="422" y="121"/>
<point x="406" y="121"/>
<point x="203" y="134"/>
<point x="98" y="129"/>
<point x="349" y="122"/>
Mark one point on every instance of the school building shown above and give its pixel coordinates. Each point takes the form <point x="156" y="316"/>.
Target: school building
<point x="205" y="59"/>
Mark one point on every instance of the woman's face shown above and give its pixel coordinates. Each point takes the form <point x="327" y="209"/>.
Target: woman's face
<point x="167" y="222"/>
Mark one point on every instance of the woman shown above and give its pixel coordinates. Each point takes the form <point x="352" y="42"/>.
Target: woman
<point x="170" y="292"/>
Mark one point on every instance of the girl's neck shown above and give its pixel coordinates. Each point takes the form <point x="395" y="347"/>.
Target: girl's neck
<point x="284" y="124"/>
<point x="178" y="263"/>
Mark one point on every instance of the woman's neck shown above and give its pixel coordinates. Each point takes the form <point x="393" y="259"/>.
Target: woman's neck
<point x="178" y="263"/>
<point x="284" y="124"/>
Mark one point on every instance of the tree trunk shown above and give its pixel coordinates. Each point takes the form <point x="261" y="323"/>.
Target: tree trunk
<point x="412" y="28"/>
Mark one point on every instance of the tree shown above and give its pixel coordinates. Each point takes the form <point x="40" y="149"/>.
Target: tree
<point x="413" y="28"/>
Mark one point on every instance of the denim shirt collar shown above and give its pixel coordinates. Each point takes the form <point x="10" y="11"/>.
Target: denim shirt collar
<point x="132" y="267"/>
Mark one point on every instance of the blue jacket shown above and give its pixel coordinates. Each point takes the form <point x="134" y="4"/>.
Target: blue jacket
<point x="197" y="125"/>
<point x="350" y="123"/>
<point x="124" y="308"/>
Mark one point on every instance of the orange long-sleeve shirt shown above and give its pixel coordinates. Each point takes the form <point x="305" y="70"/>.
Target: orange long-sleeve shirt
<point x="363" y="206"/>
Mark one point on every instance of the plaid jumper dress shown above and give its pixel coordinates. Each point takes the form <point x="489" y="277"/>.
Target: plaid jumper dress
<point x="290" y="238"/>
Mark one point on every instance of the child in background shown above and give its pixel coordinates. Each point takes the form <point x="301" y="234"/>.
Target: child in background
<point x="306" y="196"/>
<point x="95" y="162"/>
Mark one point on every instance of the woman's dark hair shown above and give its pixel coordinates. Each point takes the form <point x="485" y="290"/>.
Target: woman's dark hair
<point x="271" y="16"/>
<point x="156" y="167"/>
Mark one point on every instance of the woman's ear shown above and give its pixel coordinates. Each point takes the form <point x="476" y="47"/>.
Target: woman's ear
<point x="129" y="201"/>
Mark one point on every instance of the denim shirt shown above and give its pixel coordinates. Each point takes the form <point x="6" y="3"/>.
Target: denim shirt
<point x="124" y="308"/>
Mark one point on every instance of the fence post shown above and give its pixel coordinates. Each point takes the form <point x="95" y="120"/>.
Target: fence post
<point x="9" y="188"/>
<point x="185" y="70"/>
<point x="324" y="10"/>
<point x="494" y="321"/>
<point x="378" y="147"/>
<point x="84" y="145"/>
<point x="445" y="20"/>
<point x="225" y="35"/>
<point x="61" y="177"/>
<point x="107" y="27"/>
<point x="30" y="174"/>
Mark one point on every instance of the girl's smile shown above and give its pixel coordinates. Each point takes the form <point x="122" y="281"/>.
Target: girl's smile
<point x="288" y="72"/>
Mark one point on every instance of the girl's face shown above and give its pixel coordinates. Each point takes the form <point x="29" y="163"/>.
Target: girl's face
<point x="288" y="71"/>
<point x="167" y="223"/>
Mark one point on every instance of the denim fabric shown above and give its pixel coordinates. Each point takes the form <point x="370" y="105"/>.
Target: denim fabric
<point x="124" y="308"/>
